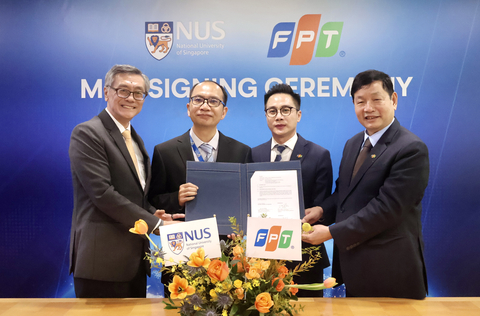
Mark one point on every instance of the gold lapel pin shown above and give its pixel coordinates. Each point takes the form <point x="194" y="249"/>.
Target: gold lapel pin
<point x="373" y="156"/>
<point x="299" y="156"/>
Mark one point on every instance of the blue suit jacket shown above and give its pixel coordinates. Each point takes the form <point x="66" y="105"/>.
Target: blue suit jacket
<point x="378" y="231"/>
<point x="317" y="181"/>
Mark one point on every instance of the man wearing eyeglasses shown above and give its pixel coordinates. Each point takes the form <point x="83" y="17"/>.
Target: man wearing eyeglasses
<point x="282" y="110"/>
<point x="203" y="142"/>
<point x="111" y="174"/>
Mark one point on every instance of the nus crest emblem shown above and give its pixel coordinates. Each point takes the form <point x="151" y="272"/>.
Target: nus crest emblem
<point x="175" y="242"/>
<point x="159" y="38"/>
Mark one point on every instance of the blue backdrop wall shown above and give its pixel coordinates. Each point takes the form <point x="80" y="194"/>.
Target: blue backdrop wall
<point x="54" y="56"/>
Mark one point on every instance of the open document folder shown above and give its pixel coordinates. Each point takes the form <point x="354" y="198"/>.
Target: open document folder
<point x="265" y="189"/>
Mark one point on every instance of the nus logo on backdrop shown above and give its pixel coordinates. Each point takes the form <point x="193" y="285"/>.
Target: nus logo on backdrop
<point x="273" y="238"/>
<point x="305" y="39"/>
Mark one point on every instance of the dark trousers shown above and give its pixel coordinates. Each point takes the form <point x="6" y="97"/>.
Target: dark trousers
<point x="86" y="288"/>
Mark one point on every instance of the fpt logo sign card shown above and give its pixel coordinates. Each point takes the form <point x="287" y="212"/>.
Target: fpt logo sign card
<point x="274" y="238"/>
<point x="179" y="241"/>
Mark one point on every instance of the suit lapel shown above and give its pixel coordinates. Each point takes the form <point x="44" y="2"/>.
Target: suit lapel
<point x="300" y="150"/>
<point x="264" y="152"/>
<point x="375" y="154"/>
<point x="223" y="148"/>
<point x="119" y="141"/>
<point x="184" y="147"/>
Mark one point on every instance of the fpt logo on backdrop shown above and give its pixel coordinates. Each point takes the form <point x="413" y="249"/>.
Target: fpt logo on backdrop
<point x="305" y="39"/>
<point x="273" y="238"/>
<point x="159" y="38"/>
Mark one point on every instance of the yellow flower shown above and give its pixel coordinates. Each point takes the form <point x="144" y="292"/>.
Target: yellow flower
<point x="256" y="283"/>
<point x="160" y="260"/>
<point x="179" y="288"/>
<point x="141" y="227"/>
<point x="224" y="313"/>
<point x="197" y="259"/>
<point x="263" y="302"/>
<point x="213" y="294"/>
<point x="306" y="227"/>
<point x="247" y="286"/>
<point x="238" y="283"/>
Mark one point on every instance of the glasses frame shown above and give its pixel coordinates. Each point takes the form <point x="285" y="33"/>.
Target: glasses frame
<point x="208" y="101"/>
<point x="279" y="111"/>
<point x="145" y="94"/>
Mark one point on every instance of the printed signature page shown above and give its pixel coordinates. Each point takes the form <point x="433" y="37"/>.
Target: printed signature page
<point x="274" y="194"/>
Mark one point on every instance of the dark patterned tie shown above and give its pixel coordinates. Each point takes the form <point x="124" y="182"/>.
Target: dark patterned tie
<point x="280" y="150"/>
<point x="361" y="156"/>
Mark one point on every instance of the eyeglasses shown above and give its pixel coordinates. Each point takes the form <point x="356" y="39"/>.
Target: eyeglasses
<point x="212" y="102"/>
<point x="285" y="111"/>
<point x="124" y="94"/>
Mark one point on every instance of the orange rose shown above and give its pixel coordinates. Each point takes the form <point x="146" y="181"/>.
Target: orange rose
<point x="293" y="290"/>
<point x="282" y="271"/>
<point x="241" y="264"/>
<point x="197" y="259"/>
<point x="252" y="273"/>
<point x="179" y="288"/>
<point x="263" y="302"/>
<point x="237" y="251"/>
<point x="330" y="282"/>
<point x="280" y="284"/>
<point x="218" y="270"/>
<point x="141" y="227"/>
<point x="240" y="293"/>
<point x="264" y="264"/>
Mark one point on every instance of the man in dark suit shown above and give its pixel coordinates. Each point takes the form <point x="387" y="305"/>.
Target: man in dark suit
<point x="203" y="142"/>
<point x="111" y="175"/>
<point x="206" y="107"/>
<point x="282" y="109"/>
<point x="376" y="206"/>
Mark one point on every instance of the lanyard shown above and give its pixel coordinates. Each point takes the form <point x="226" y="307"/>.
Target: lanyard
<point x="195" y="150"/>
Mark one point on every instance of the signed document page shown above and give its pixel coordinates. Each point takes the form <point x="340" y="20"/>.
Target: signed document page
<point x="274" y="194"/>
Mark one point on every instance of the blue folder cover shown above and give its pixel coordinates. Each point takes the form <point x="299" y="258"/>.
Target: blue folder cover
<point x="224" y="190"/>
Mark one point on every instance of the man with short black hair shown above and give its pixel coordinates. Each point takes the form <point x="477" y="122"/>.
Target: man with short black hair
<point x="376" y="206"/>
<point x="282" y="110"/>
<point x="207" y="106"/>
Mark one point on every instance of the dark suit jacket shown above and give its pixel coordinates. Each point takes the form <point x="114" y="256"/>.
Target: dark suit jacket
<point x="378" y="231"/>
<point x="317" y="181"/>
<point x="169" y="167"/>
<point x="108" y="199"/>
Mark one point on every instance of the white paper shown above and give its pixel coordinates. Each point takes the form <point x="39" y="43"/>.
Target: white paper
<point x="274" y="194"/>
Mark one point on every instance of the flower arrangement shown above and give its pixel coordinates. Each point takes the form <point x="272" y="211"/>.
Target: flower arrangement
<point x="233" y="284"/>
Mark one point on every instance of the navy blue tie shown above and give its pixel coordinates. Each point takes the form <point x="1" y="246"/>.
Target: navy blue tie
<point x="280" y="149"/>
